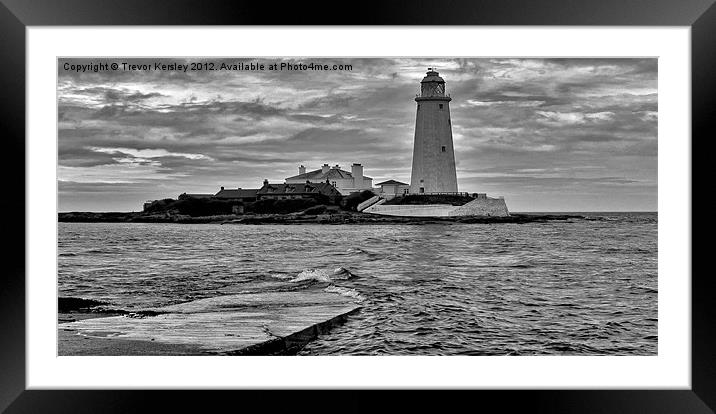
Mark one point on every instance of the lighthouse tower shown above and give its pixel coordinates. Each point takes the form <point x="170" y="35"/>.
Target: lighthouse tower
<point x="433" y="154"/>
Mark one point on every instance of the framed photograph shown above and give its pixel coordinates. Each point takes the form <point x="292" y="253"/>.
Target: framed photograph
<point x="494" y="198"/>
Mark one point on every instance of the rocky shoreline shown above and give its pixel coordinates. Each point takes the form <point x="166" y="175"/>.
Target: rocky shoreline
<point x="338" y="217"/>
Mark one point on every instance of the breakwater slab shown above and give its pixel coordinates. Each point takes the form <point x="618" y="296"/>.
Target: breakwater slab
<point x="271" y="323"/>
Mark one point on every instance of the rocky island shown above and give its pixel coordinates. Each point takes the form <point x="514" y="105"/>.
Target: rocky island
<point x="329" y="216"/>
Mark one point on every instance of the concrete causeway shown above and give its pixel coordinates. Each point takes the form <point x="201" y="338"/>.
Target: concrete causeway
<point x="271" y="323"/>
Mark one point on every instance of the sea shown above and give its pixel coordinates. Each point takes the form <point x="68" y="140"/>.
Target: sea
<point x="583" y="286"/>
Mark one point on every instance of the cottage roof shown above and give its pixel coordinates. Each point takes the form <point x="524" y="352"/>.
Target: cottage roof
<point x="198" y="195"/>
<point x="304" y="188"/>
<point x="392" y="182"/>
<point x="319" y="175"/>
<point x="237" y="193"/>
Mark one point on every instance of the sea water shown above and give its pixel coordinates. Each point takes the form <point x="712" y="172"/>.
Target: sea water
<point x="575" y="287"/>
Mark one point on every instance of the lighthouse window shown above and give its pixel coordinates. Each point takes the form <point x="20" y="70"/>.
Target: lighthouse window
<point x="443" y="149"/>
<point x="441" y="106"/>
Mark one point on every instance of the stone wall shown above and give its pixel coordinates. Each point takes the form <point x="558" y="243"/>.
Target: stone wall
<point x="482" y="207"/>
<point x="424" y="210"/>
<point x="494" y="207"/>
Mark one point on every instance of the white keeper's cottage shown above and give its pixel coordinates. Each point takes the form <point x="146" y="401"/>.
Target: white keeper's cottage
<point x="345" y="181"/>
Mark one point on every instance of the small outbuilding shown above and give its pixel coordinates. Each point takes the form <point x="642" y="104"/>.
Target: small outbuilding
<point x="242" y="194"/>
<point x="392" y="188"/>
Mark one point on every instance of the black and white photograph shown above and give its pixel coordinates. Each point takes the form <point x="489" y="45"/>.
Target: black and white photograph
<point x="315" y="206"/>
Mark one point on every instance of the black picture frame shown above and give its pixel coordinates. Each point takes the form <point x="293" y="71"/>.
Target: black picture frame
<point x="16" y="15"/>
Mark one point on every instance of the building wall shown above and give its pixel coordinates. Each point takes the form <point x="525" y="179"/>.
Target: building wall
<point x="352" y="188"/>
<point x="433" y="130"/>
<point x="389" y="191"/>
<point x="345" y="186"/>
<point x="281" y="196"/>
<point x="298" y="181"/>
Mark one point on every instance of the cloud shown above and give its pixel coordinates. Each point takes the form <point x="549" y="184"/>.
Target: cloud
<point x="120" y="173"/>
<point x="194" y="131"/>
<point x="149" y="153"/>
<point x="571" y="118"/>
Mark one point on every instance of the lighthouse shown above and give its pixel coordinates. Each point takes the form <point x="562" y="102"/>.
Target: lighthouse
<point x="433" y="154"/>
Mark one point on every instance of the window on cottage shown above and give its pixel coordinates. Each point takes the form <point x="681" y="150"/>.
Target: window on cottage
<point x="441" y="106"/>
<point x="443" y="149"/>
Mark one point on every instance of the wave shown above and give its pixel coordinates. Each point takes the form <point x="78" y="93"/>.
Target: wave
<point x="647" y="289"/>
<point x="69" y="304"/>
<point x="317" y="275"/>
<point x="348" y="292"/>
<point x="362" y="251"/>
<point x="320" y="275"/>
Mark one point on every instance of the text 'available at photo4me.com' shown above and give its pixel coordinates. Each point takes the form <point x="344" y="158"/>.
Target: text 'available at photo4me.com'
<point x="189" y="66"/>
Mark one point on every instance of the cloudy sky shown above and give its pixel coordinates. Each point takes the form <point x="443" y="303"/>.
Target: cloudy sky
<point x="548" y="134"/>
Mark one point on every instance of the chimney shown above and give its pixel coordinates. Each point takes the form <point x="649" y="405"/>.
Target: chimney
<point x="222" y="188"/>
<point x="325" y="168"/>
<point x="357" y="173"/>
<point x="265" y="181"/>
<point x="336" y="166"/>
<point x="301" y="169"/>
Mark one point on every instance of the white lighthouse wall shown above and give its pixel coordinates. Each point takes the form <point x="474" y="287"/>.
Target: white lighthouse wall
<point x="433" y="130"/>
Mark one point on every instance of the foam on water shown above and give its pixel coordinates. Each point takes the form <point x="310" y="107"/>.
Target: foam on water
<point x="318" y="275"/>
<point x="348" y="292"/>
<point x="321" y="275"/>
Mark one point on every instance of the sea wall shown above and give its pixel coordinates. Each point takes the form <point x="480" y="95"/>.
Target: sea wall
<point x="482" y="207"/>
<point x="422" y="210"/>
<point x="492" y="207"/>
